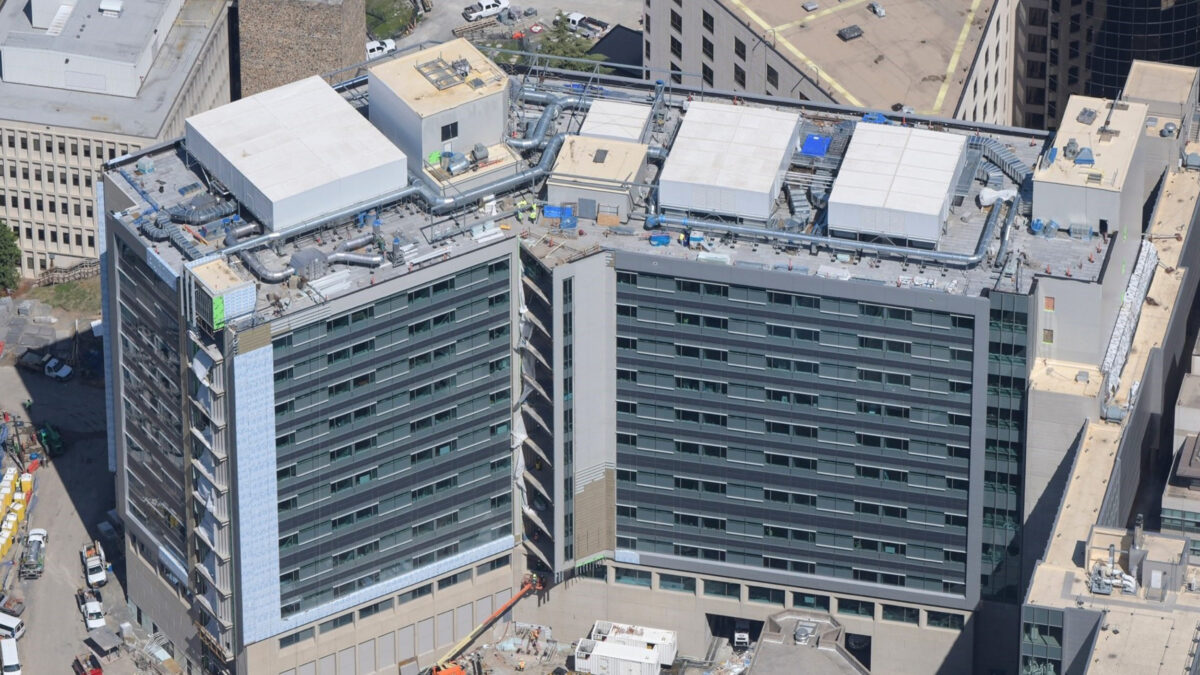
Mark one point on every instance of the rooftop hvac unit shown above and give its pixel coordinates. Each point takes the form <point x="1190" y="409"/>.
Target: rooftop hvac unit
<point x="850" y="33"/>
<point x="1086" y="116"/>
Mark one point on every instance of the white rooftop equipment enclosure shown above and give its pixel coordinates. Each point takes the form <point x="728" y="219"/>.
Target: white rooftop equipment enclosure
<point x="728" y="159"/>
<point x="295" y="153"/>
<point x="616" y="119"/>
<point x="896" y="182"/>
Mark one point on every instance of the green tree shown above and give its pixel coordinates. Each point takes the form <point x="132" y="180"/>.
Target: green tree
<point x="563" y="43"/>
<point x="10" y="257"/>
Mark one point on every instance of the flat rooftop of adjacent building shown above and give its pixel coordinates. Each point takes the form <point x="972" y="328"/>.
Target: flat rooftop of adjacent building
<point x="430" y="83"/>
<point x="143" y="116"/>
<point x="86" y="31"/>
<point x="1145" y="627"/>
<point x="603" y="159"/>
<point x="1151" y="81"/>
<point x="918" y="55"/>
<point x="1106" y="135"/>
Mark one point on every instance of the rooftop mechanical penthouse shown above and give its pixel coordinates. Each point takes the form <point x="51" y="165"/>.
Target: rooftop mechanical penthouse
<point x="748" y="357"/>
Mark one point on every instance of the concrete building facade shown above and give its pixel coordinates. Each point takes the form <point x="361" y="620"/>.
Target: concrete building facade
<point x="55" y="137"/>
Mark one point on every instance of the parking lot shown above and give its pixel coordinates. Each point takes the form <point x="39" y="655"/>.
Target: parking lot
<point x="72" y="495"/>
<point x="446" y="16"/>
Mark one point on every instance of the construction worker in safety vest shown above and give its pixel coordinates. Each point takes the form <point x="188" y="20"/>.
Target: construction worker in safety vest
<point x="521" y="206"/>
<point x="533" y="212"/>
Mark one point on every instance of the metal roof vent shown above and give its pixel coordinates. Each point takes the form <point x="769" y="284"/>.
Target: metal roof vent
<point x="1071" y="150"/>
<point x="850" y="33"/>
<point x="1168" y="130"/>
<point x="1086" y="116"/>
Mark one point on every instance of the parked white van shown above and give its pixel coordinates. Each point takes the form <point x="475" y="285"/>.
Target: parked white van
<point x="11" y="626"/>
<point x="10" y="662"/>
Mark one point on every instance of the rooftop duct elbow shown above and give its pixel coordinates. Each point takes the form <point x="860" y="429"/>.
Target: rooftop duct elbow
<point x="346" y="258"/>
<point x="656" y="153"/>
<point x="554" y="105"/>
<point x="265" y="274"/>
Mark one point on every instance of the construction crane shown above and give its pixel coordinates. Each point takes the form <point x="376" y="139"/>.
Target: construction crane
<point x="446" y="665"/>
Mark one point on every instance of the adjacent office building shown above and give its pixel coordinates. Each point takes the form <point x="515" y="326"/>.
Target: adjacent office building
<point x="942" y="59"/>
<point x="85" y="82"/>
<point x="353" y="399"/>
<point x="1069" y="48"/>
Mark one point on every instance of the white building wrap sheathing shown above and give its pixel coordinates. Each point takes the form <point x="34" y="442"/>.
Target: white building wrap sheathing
<point x="257" y="512"/>
<point x="896" y="182"/>
<point x="728" y="159"/>
<point x="296" y="153"/>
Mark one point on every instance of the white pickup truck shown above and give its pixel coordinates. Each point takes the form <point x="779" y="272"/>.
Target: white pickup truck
<point x="483" y="9"/>
<point x="90" y="607"/>
<point x="91" y="554"/>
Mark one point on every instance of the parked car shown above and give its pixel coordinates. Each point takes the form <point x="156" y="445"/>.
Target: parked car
<point x="484" y="9"/>
<point x="377" y="48"/>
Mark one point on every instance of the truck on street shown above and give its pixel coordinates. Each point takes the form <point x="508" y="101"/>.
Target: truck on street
<point x="33" y="560"/>
<point x="89" y="606"/>
<point x="94" y="564"/>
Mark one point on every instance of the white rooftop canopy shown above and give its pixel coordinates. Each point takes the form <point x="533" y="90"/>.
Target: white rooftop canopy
<point x="296" y="152"/>
<point x="616" y="119"/>
<point x="729" y="159"/>
<point x="896" y="182"/>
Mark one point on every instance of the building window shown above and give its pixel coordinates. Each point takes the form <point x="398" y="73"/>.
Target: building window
<point x="901" y="614"/>
<point x="1048" y="336"/>
<point x="810" y="601"/>
<point x="722" y="589"/>
<point x="671" y="582"/>
<point x="450" y="131"/>
<point x="772" y="77"/>
<point x="632" y="577"/>
<point x="1048" y="303"/>
<point x="707" y="74"/>
<point x="647" y="50"/>
<point x="418" y="592"/>
<point x="944" y="620"/>
<point x="706" y="20"/>
<point x="676" y="21"/>
<point x="676" y="48"/>
<point x="739" y="49"/>
<point x="856" y="607"/>
<point x="739" y="76"/>
<point x="297" y="637"/>
<point x="773" y="596"/>
<point x="706" y="46"/>
<point x="333" y="624"/>
<point x="676" y="74"/>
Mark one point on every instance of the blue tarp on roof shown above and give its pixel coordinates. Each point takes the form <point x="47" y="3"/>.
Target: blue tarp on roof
<point x="815" y="145"/>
